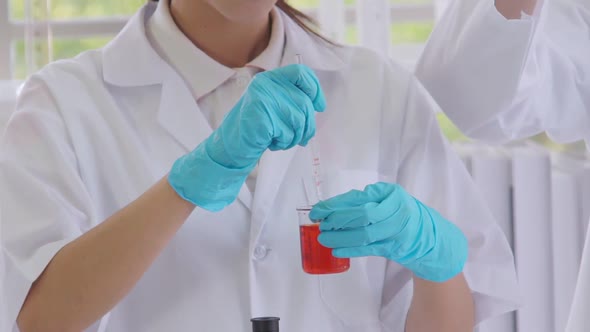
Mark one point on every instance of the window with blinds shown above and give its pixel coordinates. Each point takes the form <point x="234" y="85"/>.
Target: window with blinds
<point x="35" y="32"/>
<point x="398" y="28"/>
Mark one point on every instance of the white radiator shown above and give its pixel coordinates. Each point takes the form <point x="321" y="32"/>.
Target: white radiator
<point x="537" y="197"/>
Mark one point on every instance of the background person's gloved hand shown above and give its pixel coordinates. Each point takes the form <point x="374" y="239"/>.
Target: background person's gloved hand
<point x="276" y="112"/>
<point x="384" y="220"/>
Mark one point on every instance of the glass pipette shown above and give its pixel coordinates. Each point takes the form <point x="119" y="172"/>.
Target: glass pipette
<point x="315" y="153"/>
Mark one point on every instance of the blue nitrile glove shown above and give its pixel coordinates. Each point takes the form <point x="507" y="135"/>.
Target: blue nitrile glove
<point x="276" y="112"/>
<point x="384" y="220"/>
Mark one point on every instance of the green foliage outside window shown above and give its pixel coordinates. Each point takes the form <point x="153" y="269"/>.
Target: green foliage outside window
<point x="65" y="9"/>
<point x="413" y="32"/>
<point x="96" y="8"/>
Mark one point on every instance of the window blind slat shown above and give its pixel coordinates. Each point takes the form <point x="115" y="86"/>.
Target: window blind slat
<point x="332" y="19"/>
<point x="374" y="21"/>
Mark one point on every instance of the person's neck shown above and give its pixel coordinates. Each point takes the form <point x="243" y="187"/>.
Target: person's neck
<point x="513" y="9"/>
<point x="230" y="43"/>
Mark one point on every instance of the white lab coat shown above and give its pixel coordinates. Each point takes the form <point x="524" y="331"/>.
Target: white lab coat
<point x="500" y="80"/>
<point x="93" y="133"/>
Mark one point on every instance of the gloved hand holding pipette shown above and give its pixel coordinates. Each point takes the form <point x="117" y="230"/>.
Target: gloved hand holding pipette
<point x="384" y="220"/>
<point x="276" y="112"/>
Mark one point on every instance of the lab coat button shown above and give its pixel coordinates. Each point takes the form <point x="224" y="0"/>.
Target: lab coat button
<point x="260" y="252"/>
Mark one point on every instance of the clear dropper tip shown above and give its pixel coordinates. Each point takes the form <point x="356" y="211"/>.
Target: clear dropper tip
<point x="298" y="59"/>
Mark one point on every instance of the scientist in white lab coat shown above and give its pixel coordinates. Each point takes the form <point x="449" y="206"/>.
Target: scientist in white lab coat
<point x="511" y="76"/>
<point x="152" y="185"/>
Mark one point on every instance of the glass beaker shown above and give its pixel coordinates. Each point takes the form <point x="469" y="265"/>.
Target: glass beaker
<point x="315" y="258"/>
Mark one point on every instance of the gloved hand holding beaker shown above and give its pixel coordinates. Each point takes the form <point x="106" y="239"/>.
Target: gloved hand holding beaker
<point x="384" y="220"/>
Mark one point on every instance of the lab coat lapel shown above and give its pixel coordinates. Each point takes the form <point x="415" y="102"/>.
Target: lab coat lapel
<point x="180" y="115"/>
<point x="178" y="112"/>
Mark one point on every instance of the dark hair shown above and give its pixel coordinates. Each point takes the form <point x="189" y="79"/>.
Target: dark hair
<point x="302" y="20"/>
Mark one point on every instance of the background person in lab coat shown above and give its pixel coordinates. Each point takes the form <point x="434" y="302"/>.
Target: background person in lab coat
<point x="518" y="74"/>
<point x="108" y="154"/>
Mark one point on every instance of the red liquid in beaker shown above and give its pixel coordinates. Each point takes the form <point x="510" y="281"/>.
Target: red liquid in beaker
<point x="316" y="258"/>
